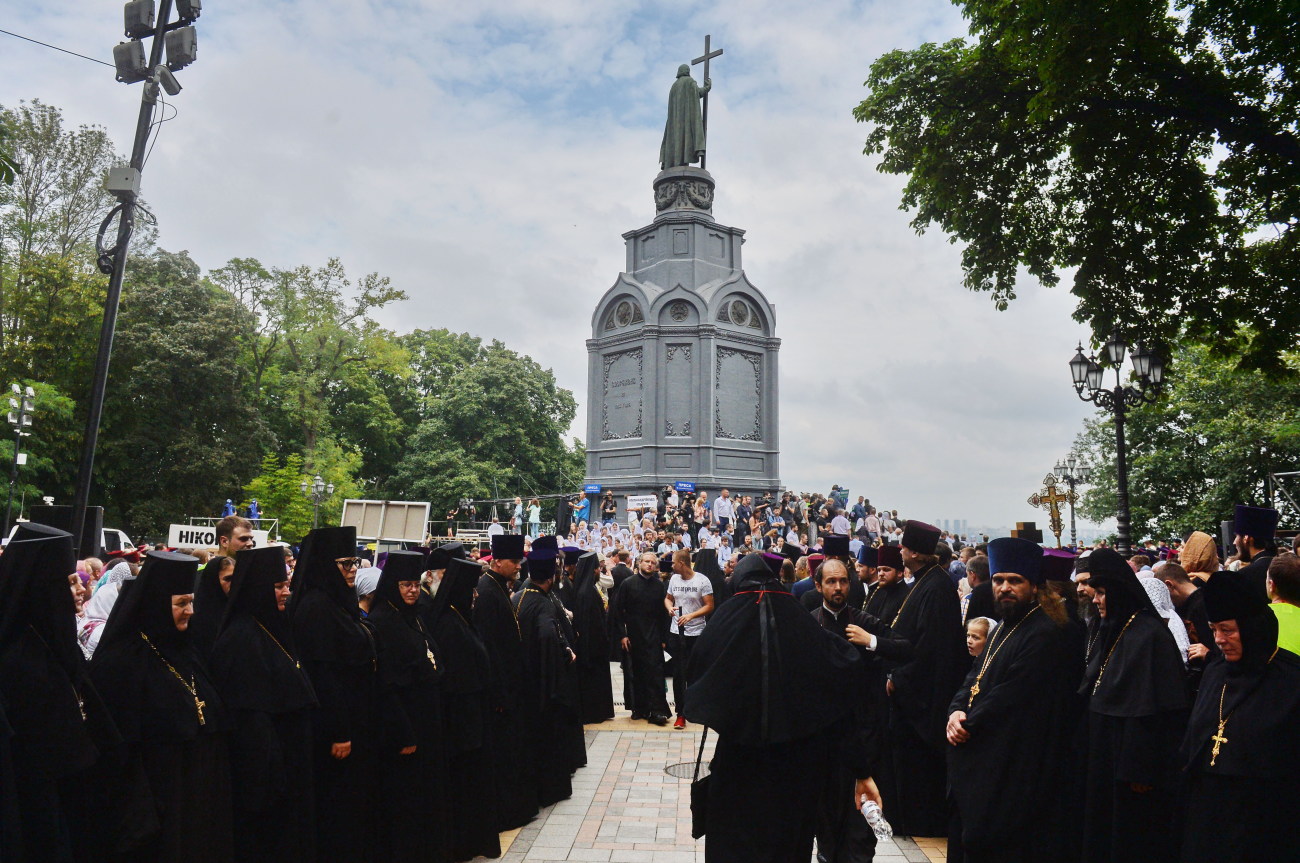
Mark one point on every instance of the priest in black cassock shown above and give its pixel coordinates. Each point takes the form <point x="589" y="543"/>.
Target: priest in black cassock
<point x="58" y="724"/>
<point x="1241" y="752"/>
<point x="510" y="712"/>
<point x="892" y="588"/>
<point x="641" y="623"/>
<point x="337" y="651"/>
<point x="843" y="835"/>
<point x="591" y="627"/>
<point x="551" y="680"/>
<point x="412" y="754"/>
<point x="210" y="590"/>
<point x="1011" y="720"/>
<point x="466" y="681"/>
<point x="168" y="712"/>
<point x="773" y="684"/>
<point x="921" y="689"/>
<point x="1137" y="712"/>
<point x="1255" y="527"/>
<point x="270" y="702"/>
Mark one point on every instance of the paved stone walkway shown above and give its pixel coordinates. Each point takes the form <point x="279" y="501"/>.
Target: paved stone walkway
<point x="626" y="809"/>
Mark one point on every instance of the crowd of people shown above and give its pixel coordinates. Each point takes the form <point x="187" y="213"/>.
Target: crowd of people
<point x="318" y="704"/>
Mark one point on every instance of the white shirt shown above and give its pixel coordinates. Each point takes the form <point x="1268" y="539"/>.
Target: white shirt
<point x="724" y="554"/>
<point x="688" y="597"/>
<point x="495" y="529"/>
<point x="841" y="525"/>
<point x="723" y="508"/>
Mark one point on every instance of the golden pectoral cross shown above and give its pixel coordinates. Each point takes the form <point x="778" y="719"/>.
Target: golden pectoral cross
<point x="1219" y="740"/>
<point x="199" y="704"/>
<point x="974" y="690"/>
<point x="432" y="659"/>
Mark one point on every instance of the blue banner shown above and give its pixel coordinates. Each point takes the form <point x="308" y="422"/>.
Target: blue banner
<point x="591" y="488"/>
<point x="688" y="487"/>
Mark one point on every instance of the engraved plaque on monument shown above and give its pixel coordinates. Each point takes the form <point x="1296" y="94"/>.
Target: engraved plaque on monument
<point x="682" y="371"/>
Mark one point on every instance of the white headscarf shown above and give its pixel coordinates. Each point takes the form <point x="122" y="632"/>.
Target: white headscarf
<point x="1160" y="598"/>
<point x="91" y="625"/>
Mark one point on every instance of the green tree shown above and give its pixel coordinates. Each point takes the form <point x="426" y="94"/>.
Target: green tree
<point x="9" y="167"/>
<point x="1151" y="150"/>
<point x="500" y="418"/>
<point x="48" y="448"/>
<point x="179" y="435"/>
<point x="1207" y="443"/>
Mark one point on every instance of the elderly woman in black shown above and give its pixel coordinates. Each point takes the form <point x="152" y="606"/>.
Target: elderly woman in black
<point x="168" y="712"/>
<point x="270" y="702"/>
<point x="337" y="651"/>
<point x="412" y="748"/>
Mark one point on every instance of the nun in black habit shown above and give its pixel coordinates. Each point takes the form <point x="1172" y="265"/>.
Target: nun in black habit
<point x="511" y="711"/>
<point x="591" y="643"/>
<point x="466" y="677"/>
<point x="1241" y="752"/>
<point x="168" y="712"/>
<point x="210" y="603"/>
<point x="269" y="701"/>
<point x="771" y="682"/>
<point x="338" y="653"/>
<point x="551" y="680"/>
<point x="1137" y="711"/>
<point x="412" y="745"/>
<point x="57" y="722"/>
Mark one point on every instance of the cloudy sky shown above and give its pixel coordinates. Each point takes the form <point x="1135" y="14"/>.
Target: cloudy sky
<point x="487" y="157"/>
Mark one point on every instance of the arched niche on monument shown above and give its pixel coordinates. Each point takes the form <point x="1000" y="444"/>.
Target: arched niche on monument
<point x="742" y="313"/>
<point x="678" y="311"/>
<point x="622" y="312"/>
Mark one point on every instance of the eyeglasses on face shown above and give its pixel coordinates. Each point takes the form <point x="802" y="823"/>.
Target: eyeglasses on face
<point x="348" y="562"/>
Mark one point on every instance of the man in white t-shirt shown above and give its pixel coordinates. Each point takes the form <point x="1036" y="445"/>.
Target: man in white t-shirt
<point x="690" y="601"/>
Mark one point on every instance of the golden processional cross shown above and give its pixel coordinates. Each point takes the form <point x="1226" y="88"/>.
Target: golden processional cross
<point x="1050" y="499"/>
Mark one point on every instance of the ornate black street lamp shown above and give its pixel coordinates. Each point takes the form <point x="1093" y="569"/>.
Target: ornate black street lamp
<point x="1087" y="374"/>
<point x="318" y="491"/>
<point x="1073" y="472"/>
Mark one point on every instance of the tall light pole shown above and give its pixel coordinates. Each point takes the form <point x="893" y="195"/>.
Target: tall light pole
<point x="21" y="405"/>
<point x="1088" y="375"/>
<point x="1073" y="472"/>
<point x="318" y="491"/>
<point x="181" y="43"/>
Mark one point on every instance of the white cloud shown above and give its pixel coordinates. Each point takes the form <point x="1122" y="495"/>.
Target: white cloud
<point x="488" y="157"/>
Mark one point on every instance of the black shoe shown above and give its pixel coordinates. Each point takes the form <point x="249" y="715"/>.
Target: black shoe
<point x="637" y="714"/>
<point x="658" y="719"/>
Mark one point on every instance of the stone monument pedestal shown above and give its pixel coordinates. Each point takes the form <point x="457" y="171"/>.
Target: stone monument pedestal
<point x="682" y="381"/>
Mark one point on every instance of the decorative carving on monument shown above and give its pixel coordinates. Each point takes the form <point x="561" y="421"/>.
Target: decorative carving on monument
<point x="742" y="314"/>
<point x="685" y="432"/>
<point x="729" y="399"/>
<point x="678" y="378"/>
<point x="679" y="310"/>
<point x="623" y="382"/>
<point x="679" y="193"/>
<point x="625" y="313"/>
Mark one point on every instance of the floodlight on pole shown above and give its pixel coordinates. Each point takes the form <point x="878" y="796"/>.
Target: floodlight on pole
<point x="131" y="67"/>
<point x="22" y="403"/>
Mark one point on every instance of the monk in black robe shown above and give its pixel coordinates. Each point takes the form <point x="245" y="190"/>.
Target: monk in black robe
<point x="891" y="589"/>
<point x="772" y="683"/>
<point x="1241" y="752"/>
<point x="168" y="712"/>
<point x="412" y="743"/>
<point x="338" y="653"/>
<point x="1137" y="712"/>
<point x="921" y="689"/>
<point x="551" y="680"/>
<point x="210" y="591"/>
<point x="843" y="835"/>
<point x="58" y="726"/>
<point x="466" y="680"/>
<point x="270" y="702"/>
<point x="641" y="621"/>
<point x="591" y="628"/>
<point x="511" y="713"/>
<point x="1010" y="720"/>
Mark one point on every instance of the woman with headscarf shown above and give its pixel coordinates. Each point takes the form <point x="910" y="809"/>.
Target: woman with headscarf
<point x="1241" y="752"/>
<point x="57" y="723"/>
<point x="1199" y="557"/>
<point x="337" y="651"/>
<point x="412" y="747"/>
<point x="210" y="602"/>
<point x="270" y="701"/>
<point x="90" y="627"/>
<point x="466" y="677"/>
<point x="1164" y="606"/>
<point x="1136" y="715"/>
<point x="168" y="712"/>
<point x="591" y="642"/>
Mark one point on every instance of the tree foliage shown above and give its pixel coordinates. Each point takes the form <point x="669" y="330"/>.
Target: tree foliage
<point x="1152" y="151"/>
<point x="1207" y="443"/>
<point x="243" y="382"/>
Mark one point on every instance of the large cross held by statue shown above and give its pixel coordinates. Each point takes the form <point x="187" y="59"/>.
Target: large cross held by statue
<point x="1050" y="499"/>
<point x="708" y="55"/>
